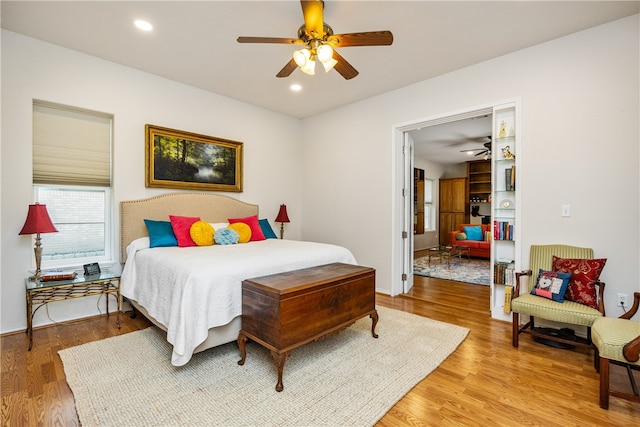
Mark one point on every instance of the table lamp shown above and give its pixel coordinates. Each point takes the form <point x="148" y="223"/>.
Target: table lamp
<point x="37" y="222"/>
<point x="282" y="218"/>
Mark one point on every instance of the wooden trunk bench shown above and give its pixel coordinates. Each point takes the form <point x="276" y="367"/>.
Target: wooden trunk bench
<point x="284" y="311"/>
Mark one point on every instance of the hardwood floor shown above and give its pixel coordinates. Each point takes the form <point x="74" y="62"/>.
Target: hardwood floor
<point x="485" y="382"/>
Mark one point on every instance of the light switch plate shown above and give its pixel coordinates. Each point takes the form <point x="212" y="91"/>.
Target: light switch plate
<point x="566" y="210"/>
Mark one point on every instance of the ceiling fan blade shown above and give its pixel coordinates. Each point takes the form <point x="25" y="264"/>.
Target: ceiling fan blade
<point x="369" y="38"/>
<point x="313" y="20"/>
<point x="278" y="40"/>
<point x="287" y="69"/>
<point x="343" y="67"/>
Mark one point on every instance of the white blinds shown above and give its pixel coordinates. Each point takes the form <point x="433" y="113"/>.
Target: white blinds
<point x="71" y="146"/>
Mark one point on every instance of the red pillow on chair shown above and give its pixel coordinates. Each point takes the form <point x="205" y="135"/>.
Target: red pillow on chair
<point x="584" y="275"/>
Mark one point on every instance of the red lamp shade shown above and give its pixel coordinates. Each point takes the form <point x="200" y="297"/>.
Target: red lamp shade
<point x="38" y="221"/>
<point x="282" y="214"/>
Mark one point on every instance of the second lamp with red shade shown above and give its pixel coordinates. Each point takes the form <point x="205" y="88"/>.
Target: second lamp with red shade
<point x="38" y="221"/>
<point x="282" y="218"/>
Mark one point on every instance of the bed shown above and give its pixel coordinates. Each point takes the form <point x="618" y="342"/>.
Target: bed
<point x="194" y="293"/>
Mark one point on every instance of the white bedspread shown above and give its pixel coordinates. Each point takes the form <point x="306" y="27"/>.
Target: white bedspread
<point x="190" y="290"/>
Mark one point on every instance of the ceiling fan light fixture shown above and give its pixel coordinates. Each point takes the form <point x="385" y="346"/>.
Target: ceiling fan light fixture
<point x="329" y="64"/>
<point x="301" y="57"/>
<point x="324" y="53"/>
<point x="309" y="67"/>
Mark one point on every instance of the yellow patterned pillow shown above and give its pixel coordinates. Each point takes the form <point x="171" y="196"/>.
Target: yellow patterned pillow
<point x="201" y="233"/>
<point x="243" y="230"/>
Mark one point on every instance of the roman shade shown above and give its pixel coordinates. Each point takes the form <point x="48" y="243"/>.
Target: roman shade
<point x="71" y="146"/>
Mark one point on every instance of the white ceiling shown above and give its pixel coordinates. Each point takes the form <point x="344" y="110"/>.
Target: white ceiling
<point x="454" y="142"/>
<point x="195" y="42"/>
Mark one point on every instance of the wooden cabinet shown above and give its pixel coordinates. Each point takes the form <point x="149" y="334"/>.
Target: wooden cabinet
<point x="453" y="206"/>
<point x="449" y="221"/>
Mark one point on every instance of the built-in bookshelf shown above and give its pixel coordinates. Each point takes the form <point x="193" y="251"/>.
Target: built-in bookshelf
<point x="504" y="211"/>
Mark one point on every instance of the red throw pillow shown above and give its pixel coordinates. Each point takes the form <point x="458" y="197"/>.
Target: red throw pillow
<point x="254" y="225"/>
<point x="182" y="229"/>
<point x="584" y="275"/>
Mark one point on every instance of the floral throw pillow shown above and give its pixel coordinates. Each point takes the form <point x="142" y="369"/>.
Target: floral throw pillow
<point x="584" y="275"/>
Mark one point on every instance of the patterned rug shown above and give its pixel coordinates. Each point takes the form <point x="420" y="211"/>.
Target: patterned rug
<point x="476" y="271"/>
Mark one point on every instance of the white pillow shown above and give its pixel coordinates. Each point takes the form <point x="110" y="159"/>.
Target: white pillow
<point x="218" y="225"/>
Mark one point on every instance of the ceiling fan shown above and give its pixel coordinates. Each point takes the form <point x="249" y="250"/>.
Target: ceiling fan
<point x="319" y="43"/>
<point x="480" y="151"/>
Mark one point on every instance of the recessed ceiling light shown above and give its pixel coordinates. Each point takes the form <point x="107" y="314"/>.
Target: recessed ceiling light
<point x="143" y="25"/>
<point x="296" y="87"/>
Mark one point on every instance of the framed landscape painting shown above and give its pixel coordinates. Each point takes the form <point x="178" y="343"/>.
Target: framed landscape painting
<point x="189" y="161"/>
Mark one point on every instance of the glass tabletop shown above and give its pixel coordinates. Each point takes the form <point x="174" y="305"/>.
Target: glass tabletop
<point x="79" y="279"/>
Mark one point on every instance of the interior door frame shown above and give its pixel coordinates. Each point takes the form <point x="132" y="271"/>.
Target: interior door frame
<point x="401" y="270"/>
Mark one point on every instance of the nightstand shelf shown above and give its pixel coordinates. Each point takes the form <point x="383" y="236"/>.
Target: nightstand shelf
<point x="41" y="293"/>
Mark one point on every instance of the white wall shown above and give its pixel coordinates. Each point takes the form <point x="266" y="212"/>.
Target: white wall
<point x="580" y="137"/>
<point x="35" y="70"/>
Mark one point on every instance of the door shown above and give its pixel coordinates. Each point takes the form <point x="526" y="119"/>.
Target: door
<point x="407" y="227"/>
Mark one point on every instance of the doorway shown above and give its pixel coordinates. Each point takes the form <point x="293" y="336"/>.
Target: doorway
<point x="405" y="149"/>
<point x="446" y="154"/>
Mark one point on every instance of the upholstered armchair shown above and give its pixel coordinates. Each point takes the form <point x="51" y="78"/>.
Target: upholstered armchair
<point x="617" y="341"/>
<point x="568" y="312"/>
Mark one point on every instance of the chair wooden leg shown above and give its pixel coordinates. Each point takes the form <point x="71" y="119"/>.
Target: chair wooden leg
<point x="515" y="329"/>
<point x="634" y="386"/>
<point x="604" y="383"/>
<point x="596" y="359"/>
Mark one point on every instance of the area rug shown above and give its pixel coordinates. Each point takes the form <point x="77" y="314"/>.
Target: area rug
<point x="349" y="379"/>
<point x="476" y="271"/>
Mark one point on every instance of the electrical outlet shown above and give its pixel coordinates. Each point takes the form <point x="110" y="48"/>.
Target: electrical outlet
<point x="622" y="300"/>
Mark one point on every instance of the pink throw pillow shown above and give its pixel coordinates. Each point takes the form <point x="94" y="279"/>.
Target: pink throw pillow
<point x="254" y="225"/>
<point x="584" y="275"/>
<point x="182" y="229"/>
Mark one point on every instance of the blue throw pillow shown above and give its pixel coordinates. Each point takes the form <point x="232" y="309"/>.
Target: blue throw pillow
<point x="226" y="236"/>
<point x="266" y="229"/>
<point x="552" y="285"/>
<point x="473" y="233"/>
<point x="160" y="233"/>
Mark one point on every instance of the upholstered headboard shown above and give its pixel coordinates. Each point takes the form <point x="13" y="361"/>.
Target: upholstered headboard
<point x="209" y="207"/>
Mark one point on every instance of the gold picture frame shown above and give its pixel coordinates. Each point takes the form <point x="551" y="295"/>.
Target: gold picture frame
<point x="190" y="161"/>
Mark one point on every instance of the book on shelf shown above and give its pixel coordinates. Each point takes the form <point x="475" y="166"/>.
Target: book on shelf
<point x="513" y="178"/>
<point x="504" y="274"/>
<point x="510" y="179"/>
<point x="502" y="230"/>
<point x="508" y="295"/>
<point x="507" y="179"/>
<point x="58" y="275"/>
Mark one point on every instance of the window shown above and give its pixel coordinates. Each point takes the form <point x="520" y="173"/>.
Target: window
<point x="72" y="176"/>
<point x="429" y="217"/>
<point x="81" y="215"/>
